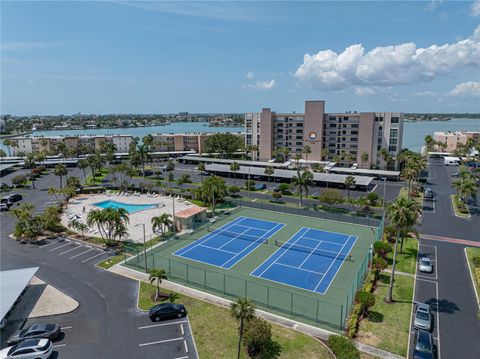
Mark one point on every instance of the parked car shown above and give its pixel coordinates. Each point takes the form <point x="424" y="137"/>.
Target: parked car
<point x="3" y="323"/>
<point x="425" y="265"/>
<point x="14" y="197"/>
<point x="456" y="174"/>
<point x="423" y="346"/>
<point x="29" y="349"/>
<point x="167" y="311"/>
<point x="4" y="206"/>
<point x="423" y="317"/>
<point x="428" y="193"/>
<point x="260" y="186"/>
<point x="36" y="331"/>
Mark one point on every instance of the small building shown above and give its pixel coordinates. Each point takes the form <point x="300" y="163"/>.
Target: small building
<point x="187" y="218"/>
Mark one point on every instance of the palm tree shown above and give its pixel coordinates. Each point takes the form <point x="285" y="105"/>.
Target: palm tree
<point x="30" y="163"/>
<point x="269" y="170"/>
<point x="429" y="143"/>
<point x="301" y="182"/>
<point x="297" y="159"/>
<point x="385" y="156"/>
<point x="83" y="165"/>
<point x="364" y="158"/>
<point x="306" y="151"/>
<point x="111" y="223"/>
<point x="243" y="310"/>
<point x="60" y="171"/>
<point x="325" y="154"/>
<point x="157" y="275"/>
<point x="201" y="168"/>
<point x="253" y="150"/>
<point x="234" y="167"/>
<point x="159" y="222"/>
<point x="350" y="181"/>
<point x="403" y="214"/>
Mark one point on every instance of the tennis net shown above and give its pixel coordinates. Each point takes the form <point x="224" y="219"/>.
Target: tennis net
<point x="239" y="235"/>
<point x="320" y="252"/>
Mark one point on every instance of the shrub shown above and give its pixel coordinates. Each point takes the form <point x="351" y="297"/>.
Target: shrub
<point x="476" y="261"/>
<point x="233" y="190"/>
<point x="258" y="339"/>
<point x="284" y="188"/>
<point x="372" y="198"/>
<point x="379" y="263"/>
<point x="381" y="248"/>
<point x="331" y="196"/>
<point x="19" y="180"/>
<point x="365" y="299"/>
<point x="250" y="185"/>
<point x="277" y="195"/>
<point x="354" y="320"/>
<point x="342" y="347"/>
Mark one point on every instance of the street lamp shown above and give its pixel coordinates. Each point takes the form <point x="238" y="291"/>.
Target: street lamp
<point x="144" y="246"/>
<point x="384" y="179"/>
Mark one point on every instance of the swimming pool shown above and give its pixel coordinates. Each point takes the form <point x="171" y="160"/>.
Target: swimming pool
<point x="130" y="208"/>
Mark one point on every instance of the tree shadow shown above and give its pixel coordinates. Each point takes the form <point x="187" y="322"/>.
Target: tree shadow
<point x="375" y="317"/>
<point x="443" y="306"/>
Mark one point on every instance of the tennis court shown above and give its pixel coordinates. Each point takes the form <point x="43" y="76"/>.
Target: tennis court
<point x="308" y="260"/>
<point x="226" y="246"/>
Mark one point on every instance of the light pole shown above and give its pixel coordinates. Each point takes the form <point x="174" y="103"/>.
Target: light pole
<point x="383" y="199"/>
<point x="144" y="246"/>
<point x="173" y="216"/>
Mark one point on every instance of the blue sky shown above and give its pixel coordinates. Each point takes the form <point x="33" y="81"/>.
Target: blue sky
<point x="166" y="57"/>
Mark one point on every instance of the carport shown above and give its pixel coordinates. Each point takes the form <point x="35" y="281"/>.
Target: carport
<point x="12" y="284"/>
<point x="321" y="179"/>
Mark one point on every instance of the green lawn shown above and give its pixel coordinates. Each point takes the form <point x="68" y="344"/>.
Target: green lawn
<point x="388" y="325"/>
<point x="471" y="252"/>
<point x="110" y="262"/>
<point x="406" y="259"/>
<point x="461" y="210"/>
<point x="404" y="193"/>
<point x="99" y="177"/>
<point x="216" y="335"/>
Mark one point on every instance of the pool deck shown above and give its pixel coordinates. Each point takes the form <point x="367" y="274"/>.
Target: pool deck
<point x="80" y="206"/>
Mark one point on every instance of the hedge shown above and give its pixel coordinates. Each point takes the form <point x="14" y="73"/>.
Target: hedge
<point x="343" y="348"/>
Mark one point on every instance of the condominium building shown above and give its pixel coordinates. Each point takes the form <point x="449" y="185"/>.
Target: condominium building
<point x="448" y="141"/>
<point x="361" y="135"/>
<point x="50" y="144"/>
<point x="182" y="141"/>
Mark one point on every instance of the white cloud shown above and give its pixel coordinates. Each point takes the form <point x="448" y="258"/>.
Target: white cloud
<point x="466" y="89"/>
<point x="365" y="91"/>
<point x="263" y="85"/>
<point x="250" y="75"/>
<point x="433" y="4"/>
<point x="475" y="8"/>
<point x="386" y="66"/>
<point x="424" y="93"/>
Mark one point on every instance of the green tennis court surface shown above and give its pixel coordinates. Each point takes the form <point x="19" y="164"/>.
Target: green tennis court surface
<point x="327" y="307"/>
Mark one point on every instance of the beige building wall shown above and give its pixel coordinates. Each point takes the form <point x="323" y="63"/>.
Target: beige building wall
<point x="266" y="134"/>
<point x="366" y="134"/>
<point x="313" y="128"/>
<point x="178" y="143"/>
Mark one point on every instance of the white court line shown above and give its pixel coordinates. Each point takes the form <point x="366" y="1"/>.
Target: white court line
<point x="217" y="249"/>
<point x="285" y="248"/>
<point x="54" y="249"/>
<point x="162" y="325"/>
<point x="321" y="240"/>
<point x="160" y="342"/>
<point x="77" y="255"/>
<point x="310" y="254"/>
<point x="209" y="235"/>
<point x="258" y="229"/>
<point x="254" y="243"/>
<point x="97" y="255"/>
<point x="69" y="250"/>
<point x="238" y="235"/>
<point x="331" y="264"/>
<point x="306" y="270"/>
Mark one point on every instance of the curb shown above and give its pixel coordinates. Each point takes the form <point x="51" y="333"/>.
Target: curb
<point x="472" y="277"/>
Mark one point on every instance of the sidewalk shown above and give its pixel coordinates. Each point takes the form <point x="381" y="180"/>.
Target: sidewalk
<point x="285" y="322"/>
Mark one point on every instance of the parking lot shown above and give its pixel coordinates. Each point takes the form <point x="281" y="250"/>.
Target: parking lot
<point x="426" y="291"/>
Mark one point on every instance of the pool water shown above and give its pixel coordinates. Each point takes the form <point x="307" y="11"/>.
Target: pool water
<point x="130" y="208"/>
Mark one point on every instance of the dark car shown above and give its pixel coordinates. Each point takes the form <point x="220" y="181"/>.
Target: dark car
<point x="36" y="331"/>
<point x="260" y="186"/>
<point x="14" y="197"/>
<point x="428" y="193"/>
<point x="423" y="346"/>
<point x="167" y="311"/>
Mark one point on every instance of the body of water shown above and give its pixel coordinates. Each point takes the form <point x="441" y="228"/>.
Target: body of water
<point x="413" y="133"/>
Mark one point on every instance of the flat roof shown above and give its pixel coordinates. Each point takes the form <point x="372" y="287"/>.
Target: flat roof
<point x="366" y="171"/>
<point x="240" y="162"/>
<point x="12" y="284"/>
<point x="282" y="173"/>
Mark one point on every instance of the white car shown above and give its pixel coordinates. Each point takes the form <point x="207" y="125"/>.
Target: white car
<point x="29" y="349"/>
<point x="425" y="265"/>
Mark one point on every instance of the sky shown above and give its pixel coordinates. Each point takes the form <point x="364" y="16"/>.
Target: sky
<point x="104" y="57"/>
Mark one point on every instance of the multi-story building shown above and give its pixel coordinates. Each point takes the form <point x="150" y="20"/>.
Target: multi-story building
<point x="50" y="144"/>
<point x="448" y="141"/>
<point x="360" y="135"/>
<point x="181" y="141"/>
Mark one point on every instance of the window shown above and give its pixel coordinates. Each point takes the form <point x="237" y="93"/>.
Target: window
<point x="332" y="125"/>
<point x="392" y="148"/>
<point x="299" y="143"/>
<point x="299" y="131"/>
<point x="395" y="119"/>
<point x="354" y="125"/>
<point x="393" y="133"/>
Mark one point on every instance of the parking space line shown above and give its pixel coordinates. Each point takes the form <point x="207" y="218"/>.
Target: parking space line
<point x="69" y="250"/>
<point x="64" y="328"/>
<point x="95" y="256"/>
<point x="49" y="244"/>
<point x="160" y="341"/>
<point x="76" y="255"/>
<point x="161" y="325"/>
<point x="186" y="357"/>
<point x="59" y="345"/>
<point x="182" y="329"/>
<point x="438" y="323"/>
<point x="186" y="346"/>
<point x="54" y="249"/>
<point x="426" y="280"/>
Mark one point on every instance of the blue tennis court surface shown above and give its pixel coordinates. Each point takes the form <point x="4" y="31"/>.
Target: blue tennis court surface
<point x="227" y="245"/>
<point x="309" y="260"/>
